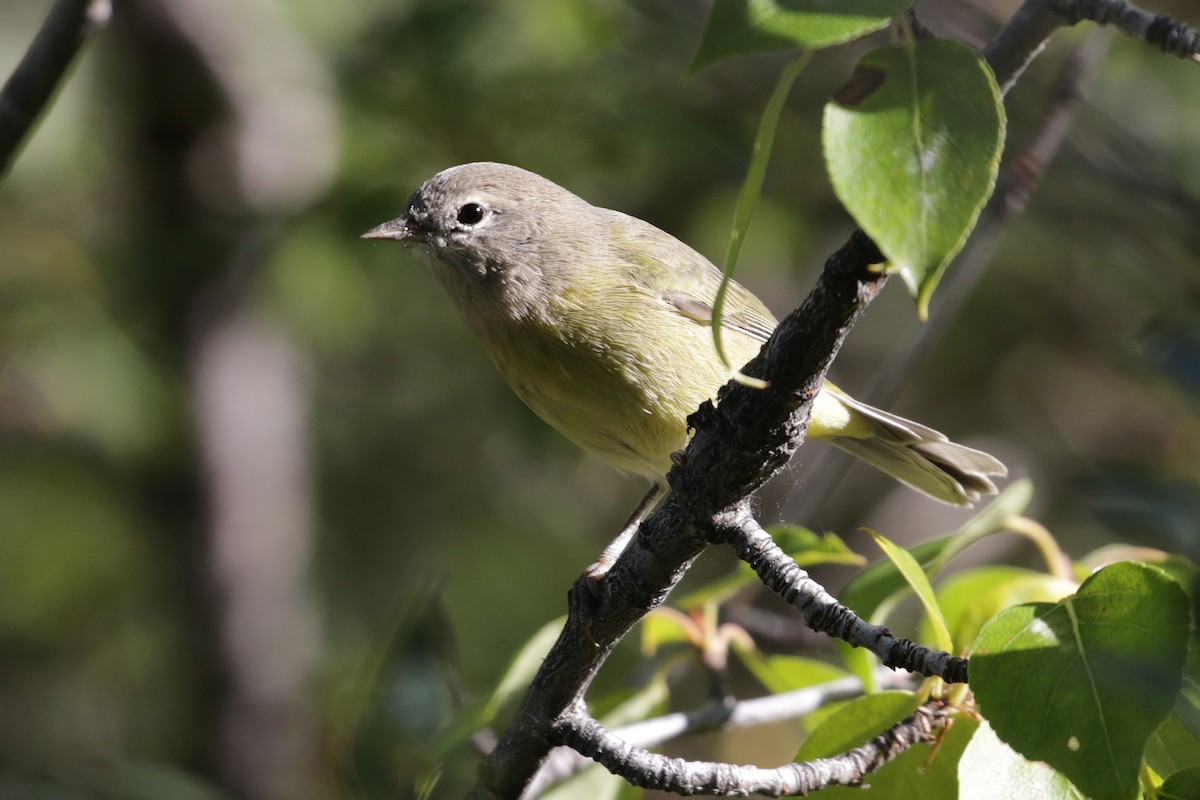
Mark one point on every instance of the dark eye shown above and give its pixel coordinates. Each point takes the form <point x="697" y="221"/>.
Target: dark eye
<point x="470" y="214"/>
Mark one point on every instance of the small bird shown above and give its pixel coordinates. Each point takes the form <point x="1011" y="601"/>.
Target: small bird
<point x="601" y="323"/>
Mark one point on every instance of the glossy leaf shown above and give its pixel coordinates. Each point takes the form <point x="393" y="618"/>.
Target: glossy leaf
<point x="912" y="144"/>
<point x="991" y="770"/>
<point x="916" y="579"/>
<point x="970" y="598"/>
<point x="740" y="27"/>
<point x="1083" y="683"/>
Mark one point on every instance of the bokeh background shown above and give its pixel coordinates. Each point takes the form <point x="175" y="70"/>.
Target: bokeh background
<point x="267" y="514"/>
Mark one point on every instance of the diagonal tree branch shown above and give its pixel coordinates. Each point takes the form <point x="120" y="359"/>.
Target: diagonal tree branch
<point x="29" y="89"/>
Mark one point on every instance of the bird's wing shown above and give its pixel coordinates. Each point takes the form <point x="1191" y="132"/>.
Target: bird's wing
<point x="689" y="282"/>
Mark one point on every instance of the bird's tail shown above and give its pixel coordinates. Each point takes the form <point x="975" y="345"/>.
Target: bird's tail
<point x="918" y="456"/>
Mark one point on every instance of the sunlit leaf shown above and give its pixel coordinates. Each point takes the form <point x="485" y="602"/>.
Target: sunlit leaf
<point x="1082" y="684"/>
<point x="972" y="597"/>
<point x="523" y="666"/>
<point x="662" y="627"/>
<point x="739" y="27"/>
<point x="991" y="770"/>
<point x="916" y="579"/>
<point x="912" y="144"/>
<point x="1188" y="705"/>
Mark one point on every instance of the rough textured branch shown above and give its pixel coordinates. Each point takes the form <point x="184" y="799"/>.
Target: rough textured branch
<point x="768" y="425"/>
<point x="654" y="771"/>
<point x="823" y="613"/>
<point x="1026" y="31"/>
<point x="34" y="81"/>
<point x="1169" y="35"/>
<point x="564" y="761"/>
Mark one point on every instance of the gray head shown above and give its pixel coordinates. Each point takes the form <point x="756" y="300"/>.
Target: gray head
<point x="498" y="233"/>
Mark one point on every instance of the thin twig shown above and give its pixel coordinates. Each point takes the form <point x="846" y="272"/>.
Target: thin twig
<point x="655" y="771"/>
<point x="29" y="89"/>
<point x="564" y="761"/>
<point x="1157" y="30"/>
<point x="823" y="613"/>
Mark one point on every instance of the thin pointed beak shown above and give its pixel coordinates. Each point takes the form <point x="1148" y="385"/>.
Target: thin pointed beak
<point x="398" y="229"/>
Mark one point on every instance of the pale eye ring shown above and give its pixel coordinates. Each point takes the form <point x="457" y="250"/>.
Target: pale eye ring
<point x="470" y="214"/>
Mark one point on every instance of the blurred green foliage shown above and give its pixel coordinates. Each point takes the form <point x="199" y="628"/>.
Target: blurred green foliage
<point x="449" y="522"/>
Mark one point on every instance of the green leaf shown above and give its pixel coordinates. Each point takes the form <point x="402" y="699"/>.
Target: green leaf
<point x="991" y="770"/>
<point x="516" y="678"/>
<point x="651" y="699"/>
<point x="660" y="629"/>
<point x="1082" y="684"/>
<point x="521" y="669"/>
<point x="1172" y="747"/>
<point x="747" y="198"/>
<point x="1182" y="785"/>
<point x="868" y="591"/>
<point x="740" y="27"/>
<point x="1188" y="704"/>
<point x="912" y="145"/>
<point x="856" y="723"/>
<point x="972" y="597"/>
<point x="915" y="577"/>
<point x="594" y="783"/>
<point x="779" y="674"/>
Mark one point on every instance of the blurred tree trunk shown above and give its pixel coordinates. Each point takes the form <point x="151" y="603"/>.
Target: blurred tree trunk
<point x="222" y="162"/>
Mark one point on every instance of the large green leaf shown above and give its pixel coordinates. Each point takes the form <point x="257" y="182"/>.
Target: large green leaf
<point x="991" y="770"/>
<point x="912" y="144"/>
<point x="739" y="27"/>
<point x="1082" y="684"/>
